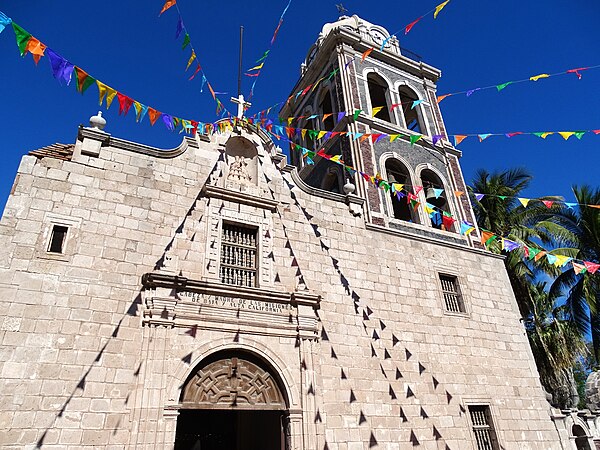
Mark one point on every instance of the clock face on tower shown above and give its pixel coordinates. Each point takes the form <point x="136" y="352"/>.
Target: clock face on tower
<point x="378" y="37"/>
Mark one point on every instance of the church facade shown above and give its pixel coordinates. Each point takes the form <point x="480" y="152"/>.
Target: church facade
<point x="215" y="296"/>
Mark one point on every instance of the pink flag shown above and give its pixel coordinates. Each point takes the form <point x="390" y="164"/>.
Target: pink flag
<point x="591" y="267"/>
<point x="548" y="203"/>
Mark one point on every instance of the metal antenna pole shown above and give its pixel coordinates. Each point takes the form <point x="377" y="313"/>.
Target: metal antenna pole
<point x="240" y="68"/>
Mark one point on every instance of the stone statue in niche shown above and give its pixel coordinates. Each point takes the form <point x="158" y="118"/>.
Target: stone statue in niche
<point x="238" y="170"/>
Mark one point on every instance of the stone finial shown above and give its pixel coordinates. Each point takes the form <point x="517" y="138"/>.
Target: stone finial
<point x="349" y="188"/>
<point x="98" y="121"/>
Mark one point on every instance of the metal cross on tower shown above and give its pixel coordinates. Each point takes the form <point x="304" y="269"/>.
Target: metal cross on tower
<point x="242" y="104"/>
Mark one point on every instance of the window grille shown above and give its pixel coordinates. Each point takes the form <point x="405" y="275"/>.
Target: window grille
<point x="238" y="255"/>
<point x="481" y="419"/>
<point x="57" y="239"/>
<point x="452" y="296"/>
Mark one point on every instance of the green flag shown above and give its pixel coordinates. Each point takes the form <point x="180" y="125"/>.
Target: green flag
<point x="502" y="86"/>
<point x="186" y="41"/>
<point x="357" y="113"/>
<point x="22" y="38"/>
<point x="579" y="134"/>
<point x="415" y="138"/>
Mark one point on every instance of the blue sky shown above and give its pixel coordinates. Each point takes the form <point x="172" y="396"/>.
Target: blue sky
<point x="475" y="43"/>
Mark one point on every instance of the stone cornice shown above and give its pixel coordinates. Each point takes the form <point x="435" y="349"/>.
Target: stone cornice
<point x="240" y="197"/>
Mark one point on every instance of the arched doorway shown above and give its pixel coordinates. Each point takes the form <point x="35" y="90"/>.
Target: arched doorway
<point x="232" y="401"/>
<point x="581" y="439"/>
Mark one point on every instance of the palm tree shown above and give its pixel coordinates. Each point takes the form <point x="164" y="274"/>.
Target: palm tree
<point x="556" y="345"/>
<point x="501" y="212"/>
<point x="554" y="338"/>
<point x="580" y="230"/>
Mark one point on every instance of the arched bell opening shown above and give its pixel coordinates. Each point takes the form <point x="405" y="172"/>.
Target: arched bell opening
<point x="234" y="400"/>
<point x="398" y="176"/>
<point x="437" y="200"/>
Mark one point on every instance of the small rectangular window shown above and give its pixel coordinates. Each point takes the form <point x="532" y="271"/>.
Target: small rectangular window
<point x="453" y="299"/>
<point x="483" y="428"/>
<point x="239" y="249"/>
<point x="57" y="239"/>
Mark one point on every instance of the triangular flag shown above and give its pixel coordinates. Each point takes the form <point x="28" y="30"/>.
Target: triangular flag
<point x="186" y="41"/>
<point x="356" y="113"/>
<point x="566" y="134"/>
<point x="376" y="110"/>
<point x="579" y="268"/>
<point x="533" y="252"/>
<point x="537" y="77"/>
<point x="417" y="102"/>
<point x="439" y="7"/>
<point x="411" y="25"/>
<point x="367" y="53"/>
<point x="393" y="137"/>
<point x="260" y="66"/>
<point x="167" y="5"/>
<point x="479" y="197"/>
<point x="198" y="69"/>
<point x="458" y="193"/>
<point x="442" y="97"/>
<point x="340" y="116"/>
<point x="140" y="111"/>
<point x="551" y="259"/>
<point x="459" y="138"/>
<point x="483" y="137"/>
<point x="509" y="245"/>
<point x="524" y="201"/>
<point x="153" y="115"/>
<point x="36" y="48"/>
<point x="124" y="103"/>
<point x="579" y="134"/>
<point x="466" y="228"/>
<point x="106" y="91"/>
<point x="502" y="86"/>
<point x="180" y="27"/>
<point x="22" y="38"/>
<point x="436" y="138"/>
<point x="168" y="121"/>
<point x="591" y="267"/>
<point x="447" y="221"/>
<point x="414" y="138"/>
<point x="4" y="21"/>
<point x="84" y="81"/>
<point x="487" y="237"/>
<point x="191" y="60"/>
<point x="437" y="192"/>
<point x="562" y="260"/>
<point x="548" y="203"/>
<point x="540" y="255"/>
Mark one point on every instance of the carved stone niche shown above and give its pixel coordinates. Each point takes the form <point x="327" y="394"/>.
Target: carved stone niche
<point x="233" y="380"/>
<point x="178" y="302"/>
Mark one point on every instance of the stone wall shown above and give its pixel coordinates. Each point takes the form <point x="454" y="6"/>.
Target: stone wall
<point x="87" y="362"/>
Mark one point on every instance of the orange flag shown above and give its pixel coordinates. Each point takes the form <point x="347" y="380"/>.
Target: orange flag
<point x="442" y="97"/>
<point x="167" y="5"/>
<point x="367" y="53"/>
<point x="459" y="138"/>
<point x="36" y="48"/>
<point x="153" y="115"/>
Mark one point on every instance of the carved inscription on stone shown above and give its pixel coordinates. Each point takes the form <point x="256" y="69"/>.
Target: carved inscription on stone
<point x="232" y="302"/>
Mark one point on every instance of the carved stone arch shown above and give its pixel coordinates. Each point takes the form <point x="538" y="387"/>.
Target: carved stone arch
<point x="445" y="185"/>
<point x="234" y="379"/>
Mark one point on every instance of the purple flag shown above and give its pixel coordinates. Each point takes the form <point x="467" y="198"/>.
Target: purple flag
<point x="479" y="197"/>
<point x="469" y="93"/>
<point x="62" y="69"/>
<point x="341" y="116"/>
<point x="179" y="28"/>
<point x="510" y="245"/>
<point x="437" y="138"/>
<point x="168" y="120"/>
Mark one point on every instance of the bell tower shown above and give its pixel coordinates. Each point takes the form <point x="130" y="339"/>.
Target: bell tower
<point x="360" y="95"/>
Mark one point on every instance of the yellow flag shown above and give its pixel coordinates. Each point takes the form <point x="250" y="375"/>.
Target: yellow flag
<point x="439" y="7"/>
<point x="107" y="92"/>
<point x="393" y="137"/>
<point x="561" y="260"/>
<point x="546" y="134"/>
<point x="398" y="187"/>
<point x="290" y="120"/>
<point x="321" y="134"/>
<point x="260" y="66"/>
<point x="191" y="60"/>
<point x="376" y="110"/>
<point x="336" y="158"/>
<point x="566" y="134"/>
<point x="303" y="132"/>
<point x="524" y="201"/>
<point x="537" y="77"/>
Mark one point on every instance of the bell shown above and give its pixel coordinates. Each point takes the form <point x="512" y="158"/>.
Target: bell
<point x="431" y="197"/>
